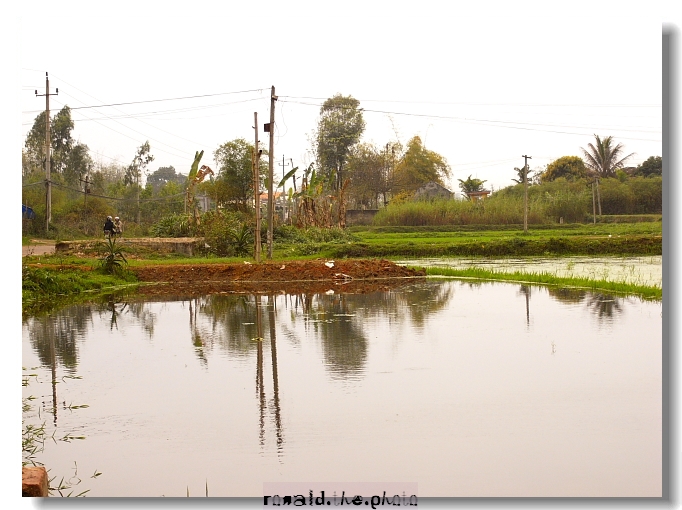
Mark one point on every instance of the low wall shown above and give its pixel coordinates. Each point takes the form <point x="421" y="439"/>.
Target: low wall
<point x="184" y="245"/>
<point x="360" y="216"/>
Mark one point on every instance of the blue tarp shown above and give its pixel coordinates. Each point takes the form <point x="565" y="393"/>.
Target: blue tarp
<point x="27" y="213"/>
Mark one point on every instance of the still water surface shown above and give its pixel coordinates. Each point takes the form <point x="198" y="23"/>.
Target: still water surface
<point x="468" y="389"/>
<point x="644" y="270"/>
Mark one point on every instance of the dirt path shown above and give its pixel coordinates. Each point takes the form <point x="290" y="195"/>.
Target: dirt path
<point x="38" y="248"/>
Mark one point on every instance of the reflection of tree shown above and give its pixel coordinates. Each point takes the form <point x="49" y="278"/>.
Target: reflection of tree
<point x="195" y="333"/>
<point x="604" y="306"/>
<point x="232" y="322"/>
<point x="424" y="300"/>
<point x="566" y="295"/>
<point x="524" y="290"/>
<point x="343" y="340"/>
<point x="60" y="329"/>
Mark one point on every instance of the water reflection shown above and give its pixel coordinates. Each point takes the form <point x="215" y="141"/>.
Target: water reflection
<point x="481" y="386"/>
<point x="605" y="307"/>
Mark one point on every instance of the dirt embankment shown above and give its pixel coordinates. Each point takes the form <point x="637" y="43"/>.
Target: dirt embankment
<point x="312" y="276"/>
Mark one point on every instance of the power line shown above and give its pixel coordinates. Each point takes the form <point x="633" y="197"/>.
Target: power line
<point x="567" y="105"/>
<point x="490" y="122"/>
<point x="155" y="100"/>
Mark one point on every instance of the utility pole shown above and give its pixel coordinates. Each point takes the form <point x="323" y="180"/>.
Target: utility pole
<point x="271" y="156"/>
<point x="256" y="189"/>
<point x="283" y="164"/>
<point x="48" y="182"/>
<point x="525" y="193"/>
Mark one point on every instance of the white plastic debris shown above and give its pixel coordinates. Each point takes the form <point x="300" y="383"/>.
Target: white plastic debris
<point x="329" y="264"/>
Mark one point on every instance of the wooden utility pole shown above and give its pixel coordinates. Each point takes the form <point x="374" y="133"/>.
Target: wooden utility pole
<point x="271" y="160"/>
<point x="256" y="189"/>
<point x="48" y="144"/>
<point x="525" y="193"/>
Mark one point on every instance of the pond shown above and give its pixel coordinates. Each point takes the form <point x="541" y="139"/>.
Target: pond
<point x="644" y="270"/>
<point x="467" y="389"/>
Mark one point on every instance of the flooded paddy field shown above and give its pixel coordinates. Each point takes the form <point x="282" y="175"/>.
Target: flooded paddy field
<point x="467" y="389"/>
<point x="645" y="270"/>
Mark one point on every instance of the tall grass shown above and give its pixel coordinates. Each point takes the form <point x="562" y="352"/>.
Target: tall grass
<point x="548" y="203"/>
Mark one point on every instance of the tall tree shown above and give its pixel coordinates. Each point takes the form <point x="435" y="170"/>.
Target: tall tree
<point x="603" y="158"/>
<point x="367" y="169"/>
<point x="568" y="167"/>
<point x="650" y="167"/>
<point x="69" y="159"/>
<point x="340" y="127"/>
<point x="163" y="175"/>
<point x="419" y="166"/>
<point x="134" y="171"/>
<point x="470" y="185"/>
<point x="234" y="183"/>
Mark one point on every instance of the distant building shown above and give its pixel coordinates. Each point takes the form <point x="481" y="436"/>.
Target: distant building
<point x="432" y="191"/>
<point x="475" y="196"/>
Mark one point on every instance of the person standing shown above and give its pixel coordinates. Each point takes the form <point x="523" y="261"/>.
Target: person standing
<point x="108" y="227"/>
<point x="118" y="226"/>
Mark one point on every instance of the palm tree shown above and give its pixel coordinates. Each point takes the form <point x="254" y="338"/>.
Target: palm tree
<point x="603" y="159"/>
<point x="470" y="185"/>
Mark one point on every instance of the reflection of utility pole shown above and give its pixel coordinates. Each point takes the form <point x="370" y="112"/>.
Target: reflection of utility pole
<point x="273" y="349"/>
<point x="525" y="290"/>
<point x="260" y="390"/>
<point x="53" y="361"/>
<point x="525" y="193"/>
<point x="48" y="144"/>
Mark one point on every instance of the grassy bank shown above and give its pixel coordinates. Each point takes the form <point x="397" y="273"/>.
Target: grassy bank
<point x="48" y="288"/>
<point x="643" y="291"/>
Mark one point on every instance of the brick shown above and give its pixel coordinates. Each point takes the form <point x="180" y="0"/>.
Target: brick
<point x="34" y="482"/>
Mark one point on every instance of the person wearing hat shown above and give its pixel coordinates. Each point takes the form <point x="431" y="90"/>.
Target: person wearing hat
<point x="118" y="226"/>
<point x="108" y="227"/>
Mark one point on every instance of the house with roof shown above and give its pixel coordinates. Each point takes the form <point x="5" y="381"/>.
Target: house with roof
<point x="433" y="191"/>
<point x="475" y="196"/>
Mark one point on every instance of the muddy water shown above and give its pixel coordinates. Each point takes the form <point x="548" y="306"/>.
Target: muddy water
<point x="633" y="270"/>
<point x="465" y="389"/>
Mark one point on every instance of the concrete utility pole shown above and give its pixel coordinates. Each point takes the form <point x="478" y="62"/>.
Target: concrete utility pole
<point x="256" y="189"/>
<point x="525" y="193"/>
<point x="48" y="182"/>
<point x="271" y="156"/>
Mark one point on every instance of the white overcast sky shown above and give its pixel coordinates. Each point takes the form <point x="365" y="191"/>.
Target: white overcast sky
<point x="481" y="85"/>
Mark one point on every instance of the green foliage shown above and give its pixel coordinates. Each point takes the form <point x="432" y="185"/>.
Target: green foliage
<point x="241" y="240"/>
<point x="470" y="185"/>
<point x="419" y="166"/>
<point x="568" y="167"/>
<point x="142" y="158"/>
<point x="233" y="186"/>
<point x="164" y="176"/>
<point x="651" y="167"/>
<point x="69" y="160"/>
<point x="173" y="225"/>
<point x="113" y="259"/>
<point x="603" y="158"/>
<point x="340" y="126"/>
<point x="226" y="233"/>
